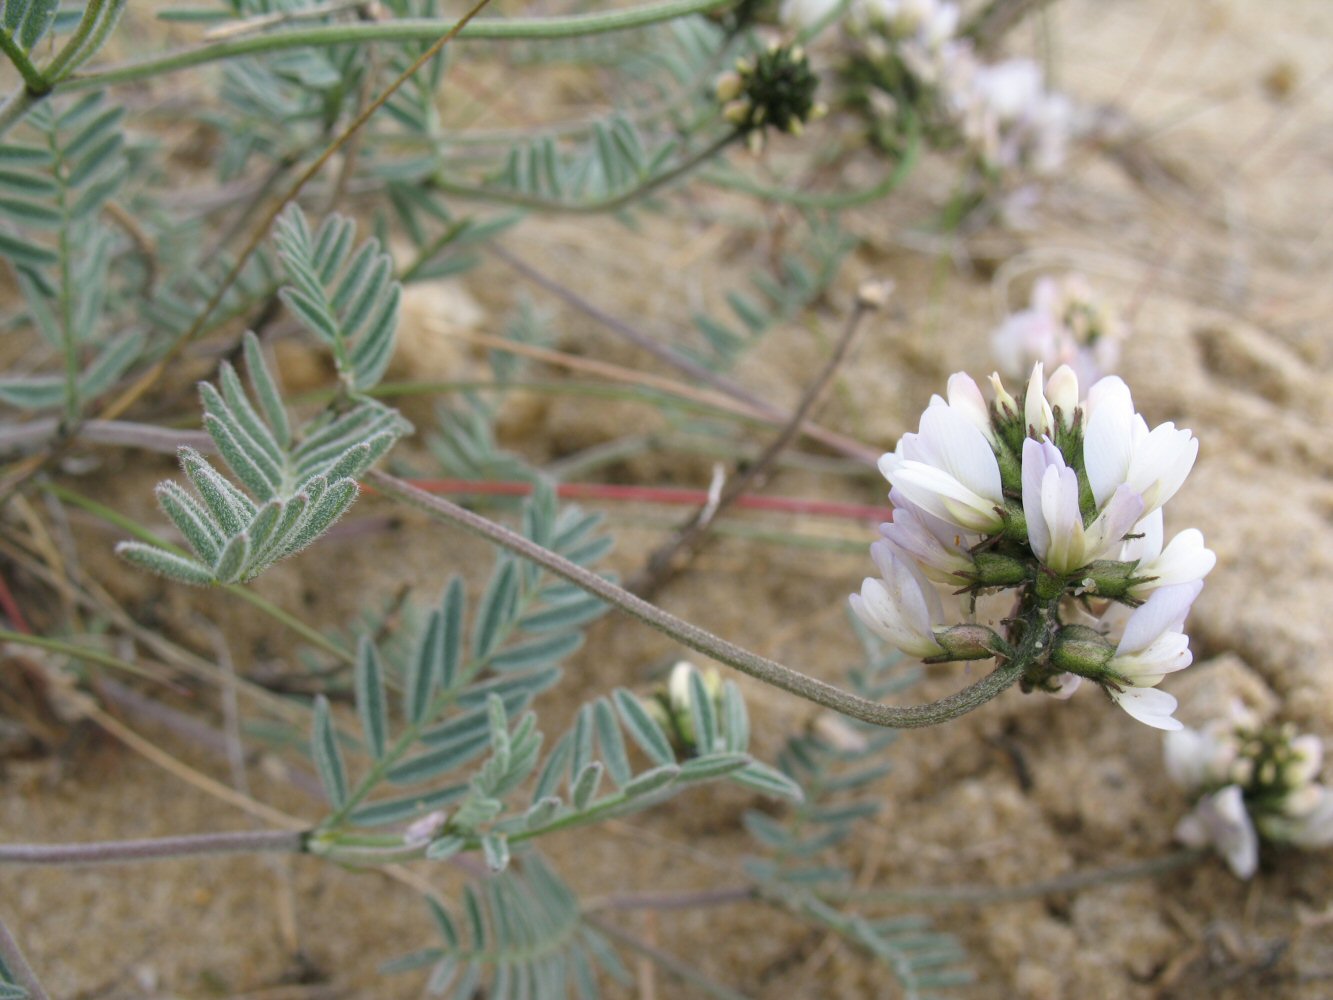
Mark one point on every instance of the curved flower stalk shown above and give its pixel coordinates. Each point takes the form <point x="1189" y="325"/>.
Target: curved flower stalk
<point x="1060" y="500"/>
<point x="1251" y="783"/>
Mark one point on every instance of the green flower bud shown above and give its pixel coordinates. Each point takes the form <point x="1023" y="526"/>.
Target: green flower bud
<point x="996" y="570"/>
<point x="1108" y="578"/>
<point x="1081" y="650"/>
<point x="967" y="642"/>
<point x="774" y="88"/>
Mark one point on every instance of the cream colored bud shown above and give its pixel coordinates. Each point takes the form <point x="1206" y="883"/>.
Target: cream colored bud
<point x="729" y="86"/>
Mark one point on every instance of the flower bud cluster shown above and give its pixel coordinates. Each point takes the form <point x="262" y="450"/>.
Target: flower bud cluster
<point x="1058" y="499"/>
<point x="672" y="706"/>
<point x="1065" y="323"/>
<point x="909" y="63"/>
<point x="775" y="88"/>
<point x="1250" y="781"/>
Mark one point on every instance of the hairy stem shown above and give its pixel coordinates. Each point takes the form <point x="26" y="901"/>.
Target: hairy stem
<point x="404" y="30"/>
<point x="769" y="671"/>
<point x="980" y="894"/>
<point x="110" y="852"/>
<point x="662" y="564"/>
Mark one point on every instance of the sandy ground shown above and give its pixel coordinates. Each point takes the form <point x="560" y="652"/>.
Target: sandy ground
<point x="1217" y="247"/>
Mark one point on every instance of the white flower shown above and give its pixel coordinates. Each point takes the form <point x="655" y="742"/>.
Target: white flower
<point x="1309" y="751"/>
<point x="422" y="831"/>
<point x="949" y="470"/>
<point x="902" y="608"/>
<point x="1054" y="518"/>
<point x="1152" y="646"/>
<point x="1037" y="415"/>
<point x="1197" y="758"/>
<point x="801" y="14"/>
<point x="1184" y="560"/>
<point x="1220" y="820"/>
<point x="1065" y="322"/>
<point x="964" y="396"/>
<point x="934" y="545"/>
<point x="1119" y="449"/>
<point x="1306" y="819"/>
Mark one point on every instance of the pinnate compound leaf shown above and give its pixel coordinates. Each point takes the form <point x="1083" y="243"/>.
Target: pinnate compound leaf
<point x="371" y="698"/>
<point x="165" y="563"/>
<point x="327" y="755"/>
<point x="643" y="728"/>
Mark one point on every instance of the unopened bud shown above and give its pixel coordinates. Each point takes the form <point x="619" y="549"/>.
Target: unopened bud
<point x="1081" y="650"/>
<point x="967" y="642"/>
<point x="729" y="87"/>
<point x="996" y="570"/>
<point x="874" y="294"/>
<point x="1108" y="578"/>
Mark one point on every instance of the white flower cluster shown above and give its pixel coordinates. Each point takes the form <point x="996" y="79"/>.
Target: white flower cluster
<point x="1251" y="781"/>
<point x="1061" y="500"/>
<point x="1003" y="111"/>
<point x="1066" y="323"/>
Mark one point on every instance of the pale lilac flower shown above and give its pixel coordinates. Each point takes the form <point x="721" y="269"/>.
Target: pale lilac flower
<point x="1220" y="820"/>
<point x="949" y="470"/>
<point x="936" y="546"/>
<point x="1118" y="448"/>
<point x="1065" y="323"/>
<point x="422" y="831"/>
<point x="1054" y="519"/>
<point x="902" y="608"/>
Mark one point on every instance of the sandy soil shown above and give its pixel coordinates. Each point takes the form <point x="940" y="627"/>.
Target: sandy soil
<point x="1212" y="233"/>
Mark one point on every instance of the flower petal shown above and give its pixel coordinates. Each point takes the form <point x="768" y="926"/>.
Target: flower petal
<point x="1164" y="610"/>
<point x="1108" y="442"/>
<point x="1149" y="705"/>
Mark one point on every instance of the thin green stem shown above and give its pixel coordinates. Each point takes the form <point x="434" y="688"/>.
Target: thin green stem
<point x="715" y="647"/>
<point x="65" y="293"/>
<point x="72" y="48"/>
<point x="33" y="81"/>
<point x="598" y="207"/>
<point x="76" y="651"/>
<point x="16" y="107"/>
<point x="405" y="30"/>
<point x="109" y="852"/>
<point x="310" y="635"/>
<point x="733" y="180"/>
<point x="18" y="965"/>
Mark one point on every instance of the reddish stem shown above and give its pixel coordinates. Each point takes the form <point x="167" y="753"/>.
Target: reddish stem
<point x="11" y="608"/>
